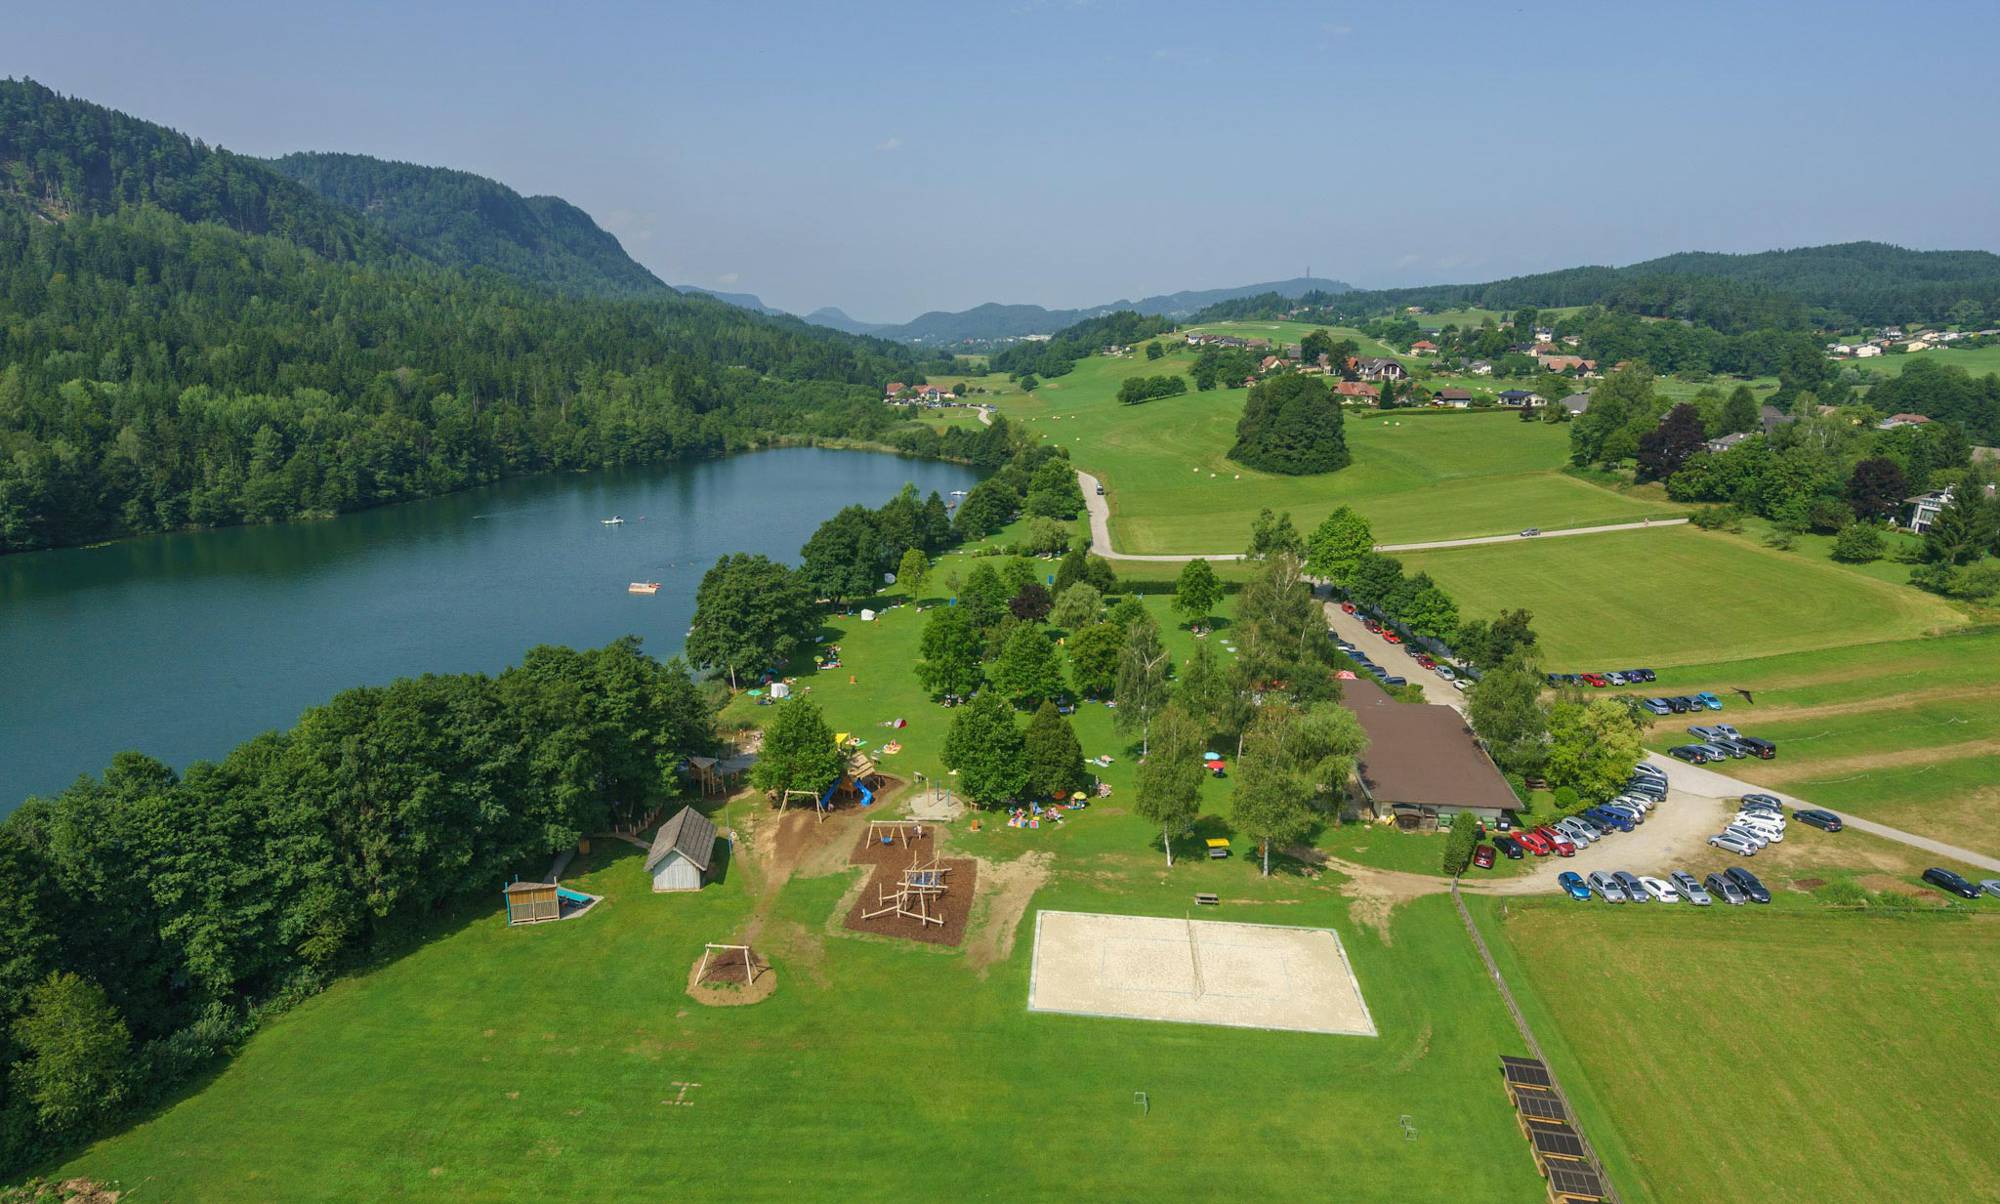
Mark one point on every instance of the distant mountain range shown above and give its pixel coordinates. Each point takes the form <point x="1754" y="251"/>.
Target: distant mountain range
<point x="993" y="321"/>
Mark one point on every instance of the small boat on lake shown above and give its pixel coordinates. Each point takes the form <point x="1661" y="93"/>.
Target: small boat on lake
<point x="613" y="521"/>
<point x="643" y="587"/>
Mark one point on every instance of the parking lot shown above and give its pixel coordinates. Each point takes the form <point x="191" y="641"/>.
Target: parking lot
<point x="1674" y="836"/>
<point x="1394" y="657"/>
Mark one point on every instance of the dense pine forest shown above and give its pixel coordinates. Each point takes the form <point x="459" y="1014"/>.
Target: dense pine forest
<point x="188" y="338"/>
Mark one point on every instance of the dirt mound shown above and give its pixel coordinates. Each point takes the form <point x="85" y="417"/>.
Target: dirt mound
<point x="727" y="982"/>
<point x="954" y="907"/>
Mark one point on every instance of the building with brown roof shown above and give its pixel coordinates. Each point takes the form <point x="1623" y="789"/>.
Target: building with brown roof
<point x="1422" y="761"/>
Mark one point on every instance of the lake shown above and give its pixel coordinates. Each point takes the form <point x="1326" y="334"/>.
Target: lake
<point x="183" y="646"/>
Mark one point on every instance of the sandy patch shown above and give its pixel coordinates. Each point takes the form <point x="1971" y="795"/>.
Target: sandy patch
<point x="1008" y="888"/>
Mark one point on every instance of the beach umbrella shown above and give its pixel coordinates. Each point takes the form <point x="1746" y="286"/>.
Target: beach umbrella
<point x="1078" y="796"/>
<point x="1211" y="756"/>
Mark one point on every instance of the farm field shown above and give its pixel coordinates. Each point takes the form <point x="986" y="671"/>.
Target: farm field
<point x="496" y="1063"/>
<point x="1652" y="598"/>
<point x="1905" y="733"/>
<point x="1977" y="360"/>
<point x="1416" y="476"/>
<point x="1292" y="332"/>
<point x="1766" y="1053"/>
<point x="1441" y="318"/>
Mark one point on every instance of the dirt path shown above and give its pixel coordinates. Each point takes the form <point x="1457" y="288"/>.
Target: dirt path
<point x="1642" y="525"/>
<point x="1008" y="886"/>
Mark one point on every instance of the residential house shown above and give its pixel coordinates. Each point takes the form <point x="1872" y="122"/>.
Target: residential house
<point x="935" y="393"/>
<point x="1566" y="363"/>
<point x="1867" y="351"/>
<point x="1895" y="420"/>
<point x="1354" y="390"/>
<point x="1575" y="403"/>
<point x="1457" y="399"/>
<point x="1726" y="442"/>
<point x="1422" y="762"/>
<point x="1268" y="362"/>
<point x="1424" y="347"/>
<point x="1545" y="348"/>
<point x="896" y="389"/>
<point x="1522" y="399"/>
<point x="1377" y="367"/>
<point x="1480" y="367"/>
<point x="1924" y="508"/>
<point x="1772" y="417"/>
<point x="682" y="851"/>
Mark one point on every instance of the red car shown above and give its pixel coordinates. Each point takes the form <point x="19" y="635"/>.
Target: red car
<point x="1483" y="857"/>
<point x="1595" y="679"/>
<point x="1426" y="662"/>
<point x="1392" y="637"/>
<point x="1535" y="843"/>
<point x="1348" y="607"/>
<point x="1371" y="624"/>
<point x="1562" y="845"/>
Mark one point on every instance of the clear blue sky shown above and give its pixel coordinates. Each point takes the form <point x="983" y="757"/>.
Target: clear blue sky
<point x="891" y="158"/>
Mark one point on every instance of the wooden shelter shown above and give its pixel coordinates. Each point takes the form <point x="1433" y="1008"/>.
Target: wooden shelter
<point x="532" y="902"/>
<point x="720" y="775"/>
<point x="682" y="851"/>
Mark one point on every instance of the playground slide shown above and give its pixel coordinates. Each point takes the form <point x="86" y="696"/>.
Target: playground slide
<point x="867" y="795"/>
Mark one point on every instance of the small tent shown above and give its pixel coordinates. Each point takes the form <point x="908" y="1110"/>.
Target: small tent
<point x="682" y="850"/>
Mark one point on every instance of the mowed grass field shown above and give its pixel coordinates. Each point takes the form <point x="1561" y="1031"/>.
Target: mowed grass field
<point x="500" y="1064"/>
<point x="1906" y="733"/>
<point x="1417" y="476"/>
<point x="1768" y="1053"/>
<point x="1977" y="360"/>
<point x="1292" y="332"/>
<point x="1676" y="596"/>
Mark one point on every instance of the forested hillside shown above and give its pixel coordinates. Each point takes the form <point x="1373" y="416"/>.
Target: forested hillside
<point x="1862" y="282"/>
<point x="466" y="221"/>
<point x="189" y="338"/>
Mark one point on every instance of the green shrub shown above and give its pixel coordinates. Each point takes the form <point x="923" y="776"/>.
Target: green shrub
<point x="1567" y="798"/>
<point x="1458" y="845"/>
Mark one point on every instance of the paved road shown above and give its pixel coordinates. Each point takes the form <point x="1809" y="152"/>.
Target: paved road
<point x="1516" y="538"/>
<point x="1395" y="658"/>
<point x="1707" y="781"/>
<point x="1100" y="533"/>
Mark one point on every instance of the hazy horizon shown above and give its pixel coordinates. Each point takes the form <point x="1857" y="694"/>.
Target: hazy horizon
<point x="889" y="159"/>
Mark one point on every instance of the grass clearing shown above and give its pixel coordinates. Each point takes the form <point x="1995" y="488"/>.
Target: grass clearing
<point x="1659" y="597"/>
<point x="1417" y="476"/>
<point x="1977" y="360"/>
<point x="1831" y="1064"/>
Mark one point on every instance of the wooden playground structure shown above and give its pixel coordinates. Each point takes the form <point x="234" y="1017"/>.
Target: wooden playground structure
<point x="917" y="894"/>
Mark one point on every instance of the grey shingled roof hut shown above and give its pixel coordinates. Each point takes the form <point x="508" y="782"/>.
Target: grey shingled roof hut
<point x="682" y="850"/>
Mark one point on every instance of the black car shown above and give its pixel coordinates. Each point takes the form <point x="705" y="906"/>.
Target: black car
<point x="1758" y="747"/>
<point x="1944" y="879"/>
<point x="1748" y="884"/>
<point x="1644" y="674"/>
<point x="1678" y="706"/>
<point x="1688" y="753"/>
<point x="1507" y="847"/>
<point x="1825" y="821"/>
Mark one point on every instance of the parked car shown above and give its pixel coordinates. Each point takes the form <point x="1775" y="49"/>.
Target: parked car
<point x="1690" y="889"/>
<point x="1726" y="890"/>
<point x="1425" y="662"/>
<point x="1646" y="769"/>
<point x="1560" y="844"/>
<point x="1646" y="788"/>
<point x="1445" y="671"/>
<point x="1631" y="813"/>
<point x="1762" y="749"/>
<point x="1688" y="753"/>
<point x="1948" y="880"/>
<point x="1534" y="842"/>
<point x="1573" y="885"/>
<point x="1531" y="532"/>
<point x="1348" y="607"/>
<point x="1661" y="890"/>
<point x="1635" y="891"/>
<point x="1686" y="703"/>
<point x="1767" y="799"/>
<point x="1825" y="821"/>
<point x="1748" y="882"/>
<point x="1772" y="833"/>
<point x="1595" y="681"/>
<point x="1615" y="678"/>
<point x="1705" y="732"/>
<point x="1458" y="683"/>
<point x="1390" y="679"/>
<point x="1579" y="832"/>
<point x="1507" y="847"/>
<point x="1657" y="706"/>
<point x="1750" y="836"/>
<point x="1482" y="856"/>
<point x="1716" y="751"/>
<point x="1709" y="700"/>
<point x="1644" y="674"/>
<point x="1991" y="886"/>
<point x="1607" y="886"/>
<point x="1618" y="820"/>
<point x="1730" y="843"/>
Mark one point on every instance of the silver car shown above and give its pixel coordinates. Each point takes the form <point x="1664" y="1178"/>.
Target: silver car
<point x="1577" y="833"/>
<point x="1729" y="842"/>
<point x="1690" y="889"/>
<point x="1750" y="836"/>
<point x="1604" y="884"/>
<point x="1991" y="886"/>
<point x="1726" y="890"/>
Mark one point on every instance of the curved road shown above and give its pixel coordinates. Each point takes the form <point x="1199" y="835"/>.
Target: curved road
<point x="1100" y="533"/>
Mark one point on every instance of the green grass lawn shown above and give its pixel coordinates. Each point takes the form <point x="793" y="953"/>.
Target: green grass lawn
<point x="1977" y="360"/>
<point x="1291" y="332"/>
<point x="1417" y="476"/>
<point x="1676" y="596"/>
<point x="1766" y="1053"/>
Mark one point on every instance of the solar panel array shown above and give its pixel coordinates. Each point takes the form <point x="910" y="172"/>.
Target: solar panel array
<point x="1576" y="1179"/>
<point x="1559" y="1149"/>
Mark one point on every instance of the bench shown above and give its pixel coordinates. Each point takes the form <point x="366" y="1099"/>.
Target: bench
<point x="1207" y="899"/>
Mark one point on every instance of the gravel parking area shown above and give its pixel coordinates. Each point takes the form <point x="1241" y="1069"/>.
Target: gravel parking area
<point x="1392" y="657"/>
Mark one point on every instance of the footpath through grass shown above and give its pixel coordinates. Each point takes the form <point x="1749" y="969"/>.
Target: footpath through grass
<point x="1764" y="1053"/>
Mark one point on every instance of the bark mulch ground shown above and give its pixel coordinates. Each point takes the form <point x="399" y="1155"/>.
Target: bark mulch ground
<point x="954" y="906"/>
<point x="905" y="845"/>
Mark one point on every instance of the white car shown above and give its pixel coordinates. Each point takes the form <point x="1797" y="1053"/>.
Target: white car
<point x="1991" y="886"/>
<point x="1750" y="836"/>
<point x="1772" y="833"/>
<point x="1458" y="683"/>
<point x="1638" y="802"/>
<point x="1690" y="889"/>
<point x="1662" y="891"/>
<point x="1731" y="843"/>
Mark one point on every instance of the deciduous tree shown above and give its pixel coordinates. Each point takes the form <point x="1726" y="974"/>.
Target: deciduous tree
<point x="798" y="751"/>
<point x="1197" y="591"/>
<point x="1169" y="779"/>
<point x="1338" y="544"/>
<point x="985" y="747"/>
<point x="950" y="653"/>
<point x="750" y="613"/>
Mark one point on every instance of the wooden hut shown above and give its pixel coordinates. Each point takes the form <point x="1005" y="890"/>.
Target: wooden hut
<point x="720" y="776"/>
<point x="682" y="851"/>
<point x="533" y="902"/>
